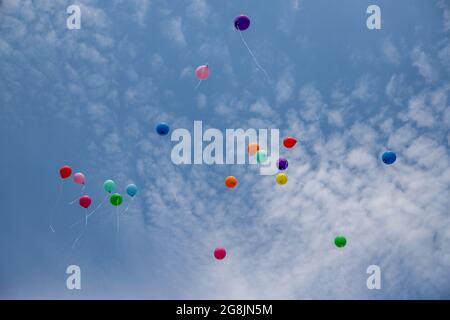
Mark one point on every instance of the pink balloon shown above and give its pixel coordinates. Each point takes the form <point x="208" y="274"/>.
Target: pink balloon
<point x="202" y="72"/>
<point x="220" y="253"/>
<point x="79" y="178"/>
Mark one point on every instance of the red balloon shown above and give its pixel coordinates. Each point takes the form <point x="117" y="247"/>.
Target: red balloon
<point x="85" y="201"/>
<point x="289" y="142"/>
<point x="220" y="253"/>
<point x="65" y="172"/>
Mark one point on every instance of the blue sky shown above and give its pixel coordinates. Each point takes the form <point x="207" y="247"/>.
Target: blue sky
<point x="91" y="98"/>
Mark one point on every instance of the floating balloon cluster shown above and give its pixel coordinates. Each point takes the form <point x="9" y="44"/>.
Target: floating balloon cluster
<point x="85" y="200"/>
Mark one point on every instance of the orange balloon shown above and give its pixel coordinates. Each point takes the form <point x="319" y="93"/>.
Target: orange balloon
<point x="230" y="182"/>
<point x="253" y="148"/>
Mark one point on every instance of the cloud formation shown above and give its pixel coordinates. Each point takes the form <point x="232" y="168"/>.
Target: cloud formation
<point x="97" y="95"/>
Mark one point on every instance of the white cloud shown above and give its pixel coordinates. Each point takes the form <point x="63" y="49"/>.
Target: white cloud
<point x="443" y="4"/>
<point x="335" y="118"/>
<point x="142" y="7"/>
<point x="103" y="41"/>
<point x="397" y="89"/>
<point x="360" y="158"/>
<point x="93" y="17"/>
<point x="420" y="112"/>
<point x="198" y="9"/>
<point x="364" y="89"/>
<point x="313" y="105"/>
<point x="173" y="29"/>
<point x="186" y="72"/>
<point x="157" y="60"/>
<point x="422" y="62"/>
<point x="390" y="52"/>
<point x="201" y="100"/>
<point x="444" y="56"/>
<point x="285" y="86"/>
<point x="262" y="108"/>
<point x="446" y="117"/>
<point x="402" y="137"/>
<point x="91" y="54"/>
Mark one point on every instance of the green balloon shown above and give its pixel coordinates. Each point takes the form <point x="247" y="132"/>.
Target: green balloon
<point x="261" y="156"/>
<point x="116" y="199"/>
<point x="340" y="241"/>
<point x="109" y="186"/>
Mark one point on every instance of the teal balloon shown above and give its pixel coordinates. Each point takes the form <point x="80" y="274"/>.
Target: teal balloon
<point x="131" y="189"/>
<point x="261" y="156"/>
<point x="109" y="186"/>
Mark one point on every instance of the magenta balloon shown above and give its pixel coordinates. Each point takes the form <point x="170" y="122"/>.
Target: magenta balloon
<point x="202" y="72"/>
<point x="79" y="178"/>
<point x="85" y="201"/>
<point x="220" y="253"/>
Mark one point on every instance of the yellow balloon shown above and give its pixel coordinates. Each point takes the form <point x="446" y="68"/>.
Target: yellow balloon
<point x="282" y="178"/>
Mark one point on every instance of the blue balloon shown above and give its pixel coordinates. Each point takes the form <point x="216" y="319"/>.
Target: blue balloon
<point x="131" y="189"/>
<point x="389" y="157"/>
<point x="162" y="128"/>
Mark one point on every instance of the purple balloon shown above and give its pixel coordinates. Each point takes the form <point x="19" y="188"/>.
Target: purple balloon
<point x="282" y="164"/>
<point x="242" y="22"/>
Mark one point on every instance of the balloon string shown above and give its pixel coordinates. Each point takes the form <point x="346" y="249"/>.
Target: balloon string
<point x="55" y="205"/>
<point x="82" y="233"/>
<point x="82" y="189"/>
<point x="128" y="206"/>
<point x="198" y="84"/>
<point x="93" y="211"/>
<point x="126" y="209"/>
<point x="341" y="263"/>
<point x="254" y="58"/>
<point x="118" y="220"/>
<point x="78" y="238"/>
<point x="117" y="227"/>
<point x="86" y="218"/>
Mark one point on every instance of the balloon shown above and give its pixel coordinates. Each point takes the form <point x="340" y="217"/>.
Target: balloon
<point x="261" y="156"/>
<point x="340" y="241"/>
<point x="131" y="189"/>
<point x="162" y="128"/>
<point x="79" y="178"/>
<point x="282" y="164"/>
<point x="253" y="148"/>
<point x="85" y="201"/>
<point x="202" y="72"/>
<point x="242" y="22"/>
<point x="281" y="178"/>
<point x="65" y="172"/>
<point x="289" y="142"/>
<point x="389" y="157"/>
<point x="109" y="186"/>
<point x="116" y="199"/>
<point x="231" y="182"/>
<point x="220" y="253"/>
